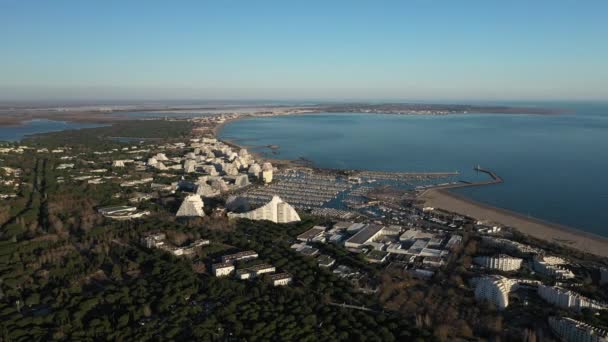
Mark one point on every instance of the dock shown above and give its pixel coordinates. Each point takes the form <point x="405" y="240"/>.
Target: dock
<point x="495" y="179"/>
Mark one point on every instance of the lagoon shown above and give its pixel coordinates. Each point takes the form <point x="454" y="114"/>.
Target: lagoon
<point x="18" y="132"/>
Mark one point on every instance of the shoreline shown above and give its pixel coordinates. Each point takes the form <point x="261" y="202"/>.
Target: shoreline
<point x="535" y="227"/>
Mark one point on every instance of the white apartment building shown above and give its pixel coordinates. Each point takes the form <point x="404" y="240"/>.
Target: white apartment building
<point x="277" y="211"/>
<point x="280" y="279"/>
<point x="245" y="255"/>
<point x="552" y="267"/>
<point x="494" y="289"/>
<point x="223" y="269"/>
<point x="567" y="299"/>
<point x="501" y="262"/>
<point x="568" y="329"/>
<point x="258" y="270"/>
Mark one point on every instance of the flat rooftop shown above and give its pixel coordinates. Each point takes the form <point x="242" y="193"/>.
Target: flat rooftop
<point x="365" y="234"/>
<point x="279" y="276"/>
<point x="311" y="233"/>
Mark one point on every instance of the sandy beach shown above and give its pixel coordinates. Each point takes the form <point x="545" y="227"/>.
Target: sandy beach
<point x="443" y="199"/>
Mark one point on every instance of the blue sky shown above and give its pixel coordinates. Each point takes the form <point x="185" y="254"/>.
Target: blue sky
<point x="303" y="49"/>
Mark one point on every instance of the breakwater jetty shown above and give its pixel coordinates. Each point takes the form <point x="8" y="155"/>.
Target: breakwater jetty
<point x="494" y="179"/>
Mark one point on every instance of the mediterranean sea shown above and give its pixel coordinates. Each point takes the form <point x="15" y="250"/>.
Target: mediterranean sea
<point x="554" y="166"/>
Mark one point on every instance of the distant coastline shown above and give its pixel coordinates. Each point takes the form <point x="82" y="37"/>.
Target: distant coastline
<point x="10" y="116"/>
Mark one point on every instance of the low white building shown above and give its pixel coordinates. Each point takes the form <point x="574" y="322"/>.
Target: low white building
<point x="415" y="234"/>
<point x="570" y="330"/>
<point x="311" y="234"/>
<point x="122" y="212"/>
<point x="501" y="262"/>
<point x="243" y="274"/>
<point x="364" y="236"/>
<point x="258" y="270"/>
<point x="65" y="166"/>
<point x="154" y="240"/>
<point x="325" y="261"/>
<point x="280" y="279"/>
<point x="245" y="255"/>
<point x="189" y="249"/>
<point x="223" y="269"/>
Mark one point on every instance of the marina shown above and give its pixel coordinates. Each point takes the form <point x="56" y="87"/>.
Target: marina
<point x="338" y="194"/>
<point x="303" y="189"/>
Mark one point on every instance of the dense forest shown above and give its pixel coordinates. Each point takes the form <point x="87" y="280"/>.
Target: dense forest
<point x="68" y="273"/>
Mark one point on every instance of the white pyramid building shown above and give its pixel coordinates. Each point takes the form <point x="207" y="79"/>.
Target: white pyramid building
<point x="161" y="157"/>
<point x="210" y="169"/>
<point x="276" y="210"/>
<point x="241" y="180"/>
<point x="192" y="206"/>
<point x="190" y="166"/>
<point x="205" y="190"/>
<point x="219" y="185"/>
<point x="231" y="170"/>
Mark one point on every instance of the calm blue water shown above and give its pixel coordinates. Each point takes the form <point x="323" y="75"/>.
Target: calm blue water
<point x="555" y="167"/>
<point x="16" y="133"/>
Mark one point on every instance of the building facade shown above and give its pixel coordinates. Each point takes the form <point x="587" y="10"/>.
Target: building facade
<point x="245" y="255"/>
<point x="570" y="330"/>
<point x="277" y="211"/>
<point x="222" y="270"/>
<point x="494" y="289"/>
<point x="551" y="269"/>
<point x="192" y="206"/>
<point x="500" y="262"/>
<point x="567" y="299"/>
